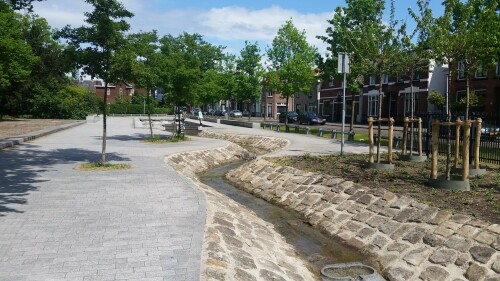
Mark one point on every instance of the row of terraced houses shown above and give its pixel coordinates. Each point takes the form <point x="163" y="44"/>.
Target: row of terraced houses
<point x="325" y="98"/>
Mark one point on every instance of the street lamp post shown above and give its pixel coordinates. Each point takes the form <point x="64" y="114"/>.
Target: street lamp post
<point x="343" y="67"/>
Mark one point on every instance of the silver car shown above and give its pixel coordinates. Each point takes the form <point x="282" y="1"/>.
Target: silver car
<point x="235" y="113"/>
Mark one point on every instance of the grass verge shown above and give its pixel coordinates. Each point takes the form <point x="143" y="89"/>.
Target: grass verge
<point x="102" y="167"/>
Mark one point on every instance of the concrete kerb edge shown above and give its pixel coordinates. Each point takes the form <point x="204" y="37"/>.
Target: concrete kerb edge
<point x="12" y="141"/>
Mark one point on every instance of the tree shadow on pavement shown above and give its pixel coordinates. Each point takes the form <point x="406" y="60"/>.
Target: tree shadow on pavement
<point x="22" y="170"/>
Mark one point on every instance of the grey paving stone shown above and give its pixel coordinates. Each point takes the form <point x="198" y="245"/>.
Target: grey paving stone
<point x="58" y="223"/>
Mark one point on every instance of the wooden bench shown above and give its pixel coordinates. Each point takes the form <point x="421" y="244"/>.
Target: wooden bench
<point x="190" y="129"/>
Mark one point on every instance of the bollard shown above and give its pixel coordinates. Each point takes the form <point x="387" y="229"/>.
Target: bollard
<point x="278" y="128"/>
<point x="334" y="134"/>
<point x="350" y="136"/>
<point x="320" y="132"/>
<point x="287" y="128"/>
<point x="271" y="126"/>
<point x="307" y="130"/>
<point x="296" y="129"/>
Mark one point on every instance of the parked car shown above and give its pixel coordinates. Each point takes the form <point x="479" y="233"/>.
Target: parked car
<point x="489" y="130"/>
<point x="292" y="117"/>
<point x="310" y="118"/>
<point x="235" y="113"/>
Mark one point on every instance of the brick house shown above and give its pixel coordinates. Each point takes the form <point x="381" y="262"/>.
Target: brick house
<point x="122" y="89"/>
<point x="485" y="84"/>
<point x="273" y="104"/>
<point x="396" y="95"/>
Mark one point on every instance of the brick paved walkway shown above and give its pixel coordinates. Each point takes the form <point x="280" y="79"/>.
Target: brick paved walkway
<point x="57" y="223"/>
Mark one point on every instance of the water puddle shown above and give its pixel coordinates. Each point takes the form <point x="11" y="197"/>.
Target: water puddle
<point x="312" y="245"/>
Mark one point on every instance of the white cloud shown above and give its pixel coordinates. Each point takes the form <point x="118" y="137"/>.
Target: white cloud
<point x="227" y="24"/>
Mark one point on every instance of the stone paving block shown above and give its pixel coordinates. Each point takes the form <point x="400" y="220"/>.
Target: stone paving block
<point x="434" y="273"/>
<point x="475" y="272"/>
<point x="494" y="228"/>
<point x="458" y="243"/>
<point x="481" y="254"/>
<point x="417" y="256"/>
<point x="486" y="237"/>
<point x="443" y="256"/>
<point x="399" y="274"/>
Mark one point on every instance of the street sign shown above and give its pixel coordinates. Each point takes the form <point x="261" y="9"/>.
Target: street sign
<point x="343" y="63"/>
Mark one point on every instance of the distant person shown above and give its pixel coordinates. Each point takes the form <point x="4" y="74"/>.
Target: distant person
<point x="200" y="117"/>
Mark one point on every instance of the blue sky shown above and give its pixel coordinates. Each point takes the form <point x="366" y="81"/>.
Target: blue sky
<point x="221" y="22"/>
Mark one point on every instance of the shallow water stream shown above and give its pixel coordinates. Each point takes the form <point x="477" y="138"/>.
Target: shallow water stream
<point x="312" y="245"/>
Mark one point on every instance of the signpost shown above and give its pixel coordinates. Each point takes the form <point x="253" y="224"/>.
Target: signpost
<point x="343" y="67"/>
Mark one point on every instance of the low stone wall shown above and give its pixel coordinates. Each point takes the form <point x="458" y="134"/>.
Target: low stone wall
<point x="258" y="143"/>
<point x="238" y="245"/>
<point x="408" y="240"/>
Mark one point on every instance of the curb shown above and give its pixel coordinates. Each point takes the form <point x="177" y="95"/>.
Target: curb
<point x="10" y="142"/>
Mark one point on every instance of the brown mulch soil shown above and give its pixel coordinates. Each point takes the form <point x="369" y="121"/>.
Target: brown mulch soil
<point x="17" y="127"/>
<point x="410" y="179"/>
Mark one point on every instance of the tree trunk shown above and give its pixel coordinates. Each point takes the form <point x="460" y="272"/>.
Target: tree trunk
<point x="379" y="127"/>
<point x="353" y="111"/>
<point x="467" y="81"/>
<point x="149" y="113"/>
<point x="412" y="107"/>
<point x="286" y="111"/>
<point x="104" y="115"/>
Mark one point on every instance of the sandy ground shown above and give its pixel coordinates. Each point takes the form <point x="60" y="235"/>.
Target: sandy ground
<point x="17" y="127"/>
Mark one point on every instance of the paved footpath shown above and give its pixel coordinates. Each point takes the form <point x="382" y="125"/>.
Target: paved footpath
<point x="146" y="223"/>
<point x="57" y="223"/>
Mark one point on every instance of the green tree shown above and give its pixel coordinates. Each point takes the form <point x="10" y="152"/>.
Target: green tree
<point x="145" y="65"/>
<point x="185" y="61"/>
<point x="16" y="60"/>
<point x="49" y="72"/>
<point x="21" y="4"/>
<point x="70" y="102"/>
<point x="437" y="99"/>
<point x="351" y="32"/>
<point x="467" y="35"/>
<point x="250" y="73"/>
<point x="96" y="43"/>
<point x="292" y="61"/>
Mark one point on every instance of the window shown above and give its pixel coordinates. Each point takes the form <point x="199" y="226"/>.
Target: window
<point x="313" y="107"/>
<point x="385" y="78"/>
<point x="416" y="75"/>
<point x="481" y="99"/>
<point x="399" y="78"/>
<point x="297" y="107"/>
<point x="480" y="72"/>
<point x="372" y="79"/>
<point x="408" y="103"/>
<point x="306" y="109"/>
<point x="327" y="108"/>
<point x="131" y="92"/>
<point x="269" y="110"/>
<point x="270" y="94"/>
<point x="460" y="95"/>
<point x="373" y="105"/>
<point x="330" y="81"/>
<point x="120" y="92"/>
<point x="461" y="71"/>
<point x="108" y="91"/>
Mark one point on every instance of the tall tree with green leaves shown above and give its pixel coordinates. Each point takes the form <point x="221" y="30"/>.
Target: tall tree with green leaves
<point x="250" y="71"/>
<point x="49" y="72"/>
<point x="21" y="4"/>
<point x="292" y="61"/>
<point x="350" y="32"/>
<point x="186" y="59"/>
<point x="145" y="63"/>
<point x="16" y="60"/>
<point x="467" y="36"/>
<point x="95" y="45"/>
